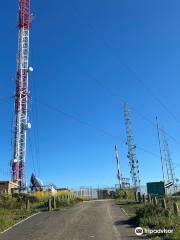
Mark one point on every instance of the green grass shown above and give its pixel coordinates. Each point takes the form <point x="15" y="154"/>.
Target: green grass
<point x="149" y="216"/>
<point x="13" y="208"/>
<point x="155" y="217"/>
<point x="130" y="207"/>
<point x="66" y="203"/>
<point x="9" y="217"/>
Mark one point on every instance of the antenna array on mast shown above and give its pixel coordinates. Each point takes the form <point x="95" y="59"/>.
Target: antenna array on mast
<point x="119" y="175"/>
<point x="123" y="182"/>
<point x="21" y="97"/>
<point x="166" y="160"/>
<point x="133" y="162"/>
<point x="168" y="163"/>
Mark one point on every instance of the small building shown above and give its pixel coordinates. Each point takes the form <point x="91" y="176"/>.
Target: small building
<point x="62" y="190"/>
<point x="8" y="187"/>
<point x="52" y="190"/>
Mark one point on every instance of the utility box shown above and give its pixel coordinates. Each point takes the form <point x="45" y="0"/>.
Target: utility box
<point x="156" y="188"/>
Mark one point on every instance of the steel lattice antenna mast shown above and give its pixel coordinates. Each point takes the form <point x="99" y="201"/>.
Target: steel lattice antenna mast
<point x="118" y="167"/>
<point x="133" y="162"/>
<point x="160" y="148"/>
<point x="168" y="162"/>
<point x="21" y="97"/>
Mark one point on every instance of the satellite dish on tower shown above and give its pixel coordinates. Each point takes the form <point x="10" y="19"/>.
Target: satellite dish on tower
<point x="31" y="69"/>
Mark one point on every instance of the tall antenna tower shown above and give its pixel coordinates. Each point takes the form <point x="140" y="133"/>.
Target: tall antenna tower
<point x="166" y="160"/>
<point x="160" y="148"/>
<point x="123" y="182"/>
<point x="118" y="167"/>
<point x="133" y="162"/>
<point x="21" y="96"/>
<point x="168" y="163"/>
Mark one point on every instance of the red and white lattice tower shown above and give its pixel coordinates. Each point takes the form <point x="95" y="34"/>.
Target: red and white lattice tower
<point x="118" y="167"/>
<point x="21" y="96"/>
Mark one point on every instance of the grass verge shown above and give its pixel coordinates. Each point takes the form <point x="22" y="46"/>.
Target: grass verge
<point x="153" y="217"/>
<point x="13" y="207"/>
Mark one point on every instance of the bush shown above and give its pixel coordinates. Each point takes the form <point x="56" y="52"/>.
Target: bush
<point x="155" y="217"/>
<point x="120" y="194"/>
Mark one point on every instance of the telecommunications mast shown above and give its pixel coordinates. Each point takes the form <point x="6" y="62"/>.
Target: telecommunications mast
<point x="133" y="162"/>
<point x="21" y="123"/>
<point x="118" y="167"/>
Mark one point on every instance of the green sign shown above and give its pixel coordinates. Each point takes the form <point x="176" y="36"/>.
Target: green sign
<point x="156" y="188"/>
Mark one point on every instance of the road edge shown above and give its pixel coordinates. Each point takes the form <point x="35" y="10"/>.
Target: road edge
<point x="25" y="219"/>
<point x="125" y="212"/>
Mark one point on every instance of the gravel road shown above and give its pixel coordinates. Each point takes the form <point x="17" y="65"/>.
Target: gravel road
<point x="96" y="220"/>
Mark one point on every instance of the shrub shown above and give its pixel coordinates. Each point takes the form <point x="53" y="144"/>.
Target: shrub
<point x="155" y="217"/>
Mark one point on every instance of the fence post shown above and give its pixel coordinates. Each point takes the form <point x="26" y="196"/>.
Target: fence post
<point x="135" y="196"/>
<point x="144" y="198"/>
<point x="164" y="203"/>
<point x="149" y="198"/>
<point x="176" y="208"/>
<point x="125" y="195"/>
<point x="155" y="201"/>
<point x="54" y="202"/>
<point x="49" y="205"/>
<point x="139" y="197"/>
<point x="27" y="205"/>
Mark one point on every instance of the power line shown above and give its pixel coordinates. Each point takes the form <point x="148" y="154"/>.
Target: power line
<point x="134" y="109"/>
<point x="123" y="101"/>
<point x="35" y="119"/>
<point x="59" y="110"/>
<point x="32" y="154"/>
<point x="105" y="132"/>
<point x="102" y="130"/>
<point x="111" y="93"/>
<point x="160" y="149"/>
<point x="115" y="95"/>
<point x="108" y="44"/>
<point x="36" y="130"/>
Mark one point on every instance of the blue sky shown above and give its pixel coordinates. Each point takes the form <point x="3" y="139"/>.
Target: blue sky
<point x="72" y="43"/>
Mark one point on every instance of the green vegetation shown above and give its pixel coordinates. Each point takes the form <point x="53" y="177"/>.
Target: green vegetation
<point x="127" y="194"/>
<point x="13" y="208"/>
<point x="156" y="217"/>
<point x="130" y="207"/>
<point x="151" y="216"/>
<point x="67" y="203"/>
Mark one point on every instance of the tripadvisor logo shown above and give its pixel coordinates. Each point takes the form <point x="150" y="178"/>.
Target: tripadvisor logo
<point x="138" y="231"/>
